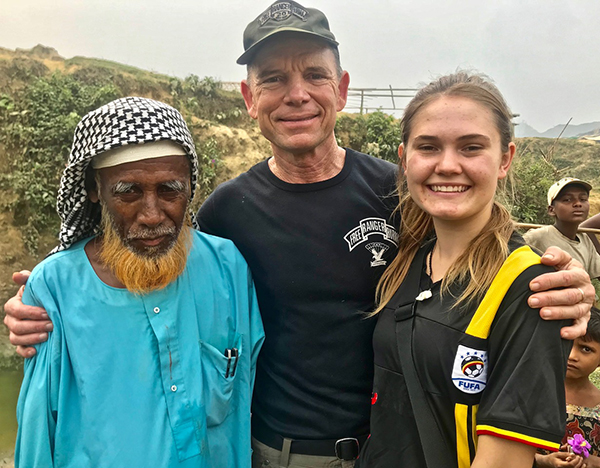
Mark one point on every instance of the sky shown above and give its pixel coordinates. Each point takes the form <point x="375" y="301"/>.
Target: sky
<point x="542" y="54"/>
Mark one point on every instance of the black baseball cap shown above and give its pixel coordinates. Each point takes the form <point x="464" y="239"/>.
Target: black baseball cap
<point x="284" y="17"/>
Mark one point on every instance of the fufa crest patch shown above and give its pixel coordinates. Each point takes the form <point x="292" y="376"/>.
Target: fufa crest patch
<point x="469" y="372"/>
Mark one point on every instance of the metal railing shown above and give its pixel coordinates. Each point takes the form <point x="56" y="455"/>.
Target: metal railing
<point x="363" y="100"/>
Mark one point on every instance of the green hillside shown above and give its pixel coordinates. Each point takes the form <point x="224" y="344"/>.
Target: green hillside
<point x="572" y="157"/>
<point x="542" y="161"/>
<point x="43" y="96"/>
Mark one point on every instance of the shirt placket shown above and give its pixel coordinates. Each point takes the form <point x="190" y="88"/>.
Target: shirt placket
<point x="163" y="320"/>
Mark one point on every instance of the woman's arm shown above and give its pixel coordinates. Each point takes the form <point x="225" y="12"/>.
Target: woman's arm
<point x="495" y="452"/>
<point x="524" y="394"/>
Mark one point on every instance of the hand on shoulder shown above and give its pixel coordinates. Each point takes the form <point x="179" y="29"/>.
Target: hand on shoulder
<point x="573" y="300"/>
<point x="28" y="325"/>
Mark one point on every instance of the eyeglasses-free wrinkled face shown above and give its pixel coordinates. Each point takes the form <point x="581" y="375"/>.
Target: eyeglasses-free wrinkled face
<point x="147" y="196"/>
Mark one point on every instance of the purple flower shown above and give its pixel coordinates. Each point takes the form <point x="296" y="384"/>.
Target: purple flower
<point x="579" y="445"/>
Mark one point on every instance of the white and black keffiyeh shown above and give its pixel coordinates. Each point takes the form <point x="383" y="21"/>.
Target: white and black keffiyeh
<point x="125" y="121"/>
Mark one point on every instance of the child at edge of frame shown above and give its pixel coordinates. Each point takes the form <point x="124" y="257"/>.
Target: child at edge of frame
<point x="569" y="206"/>
<point x="583" y="401"/>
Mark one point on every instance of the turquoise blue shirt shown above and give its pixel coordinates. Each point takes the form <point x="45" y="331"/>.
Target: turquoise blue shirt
<point x="141" y="381"/>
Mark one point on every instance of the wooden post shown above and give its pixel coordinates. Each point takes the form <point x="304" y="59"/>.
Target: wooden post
<point x="534" y="226"/>
<point x="362" y="100"/>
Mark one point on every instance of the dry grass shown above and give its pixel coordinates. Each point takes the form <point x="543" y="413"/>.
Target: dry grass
<point x="571" y="157"/>
<point x="595" y="201"/>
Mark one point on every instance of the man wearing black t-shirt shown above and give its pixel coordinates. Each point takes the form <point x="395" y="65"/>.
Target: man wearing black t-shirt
<point x="313" y="223"/>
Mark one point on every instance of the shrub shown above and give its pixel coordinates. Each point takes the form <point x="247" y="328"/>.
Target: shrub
<point x="531" y="180"/>
<point x="384" y="133"/>
<point x="206" y="99"/>
<point x="209" y="157"/>
<point x="377" y="134"/>
<point x="37" y="127"/>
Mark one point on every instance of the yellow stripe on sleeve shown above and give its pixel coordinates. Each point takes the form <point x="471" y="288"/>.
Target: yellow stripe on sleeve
<point x="534" y="441"/>
<point x="516" y="263"/>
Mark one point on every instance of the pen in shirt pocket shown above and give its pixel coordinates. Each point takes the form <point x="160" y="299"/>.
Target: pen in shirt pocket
<point x="232" y="355"/>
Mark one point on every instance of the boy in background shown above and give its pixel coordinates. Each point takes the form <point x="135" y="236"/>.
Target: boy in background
<point x="568" y="204"/>
<point x="583" y="401"/>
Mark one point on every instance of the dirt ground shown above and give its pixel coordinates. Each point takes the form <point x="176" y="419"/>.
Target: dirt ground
<point x="242" y="148"/>
<point x="594" y="203"/>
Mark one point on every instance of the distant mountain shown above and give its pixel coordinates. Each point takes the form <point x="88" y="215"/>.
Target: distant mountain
<point x="593" y="133"/>
<point x="571" y="130"/>
<point x="592" y="128"/>
<point x="523" y="130"/>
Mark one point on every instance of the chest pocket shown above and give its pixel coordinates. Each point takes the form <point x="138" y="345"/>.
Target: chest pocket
<point x="453" y="366"/>
<point x="220" y="370"/>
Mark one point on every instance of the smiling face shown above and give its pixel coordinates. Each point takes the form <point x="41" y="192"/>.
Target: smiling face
<point x="146" y="201"/>
<point x="571" y="205"/>
<point x="294" y="92"/>
<point x="453" y="160"/>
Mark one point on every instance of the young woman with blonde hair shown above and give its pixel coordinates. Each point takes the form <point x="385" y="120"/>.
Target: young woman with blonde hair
<point x="466" y="374"/>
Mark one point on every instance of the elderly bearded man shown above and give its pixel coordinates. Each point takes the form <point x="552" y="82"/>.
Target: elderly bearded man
<point x="156" y="327"/>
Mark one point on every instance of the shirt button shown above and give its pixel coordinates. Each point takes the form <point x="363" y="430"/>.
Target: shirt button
<point x="173" y="388"/>
<point x="156" y="310"/>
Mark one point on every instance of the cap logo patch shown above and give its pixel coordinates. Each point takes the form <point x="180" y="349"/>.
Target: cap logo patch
<point x="282" y="11"/>
<point x="469" y="373"/>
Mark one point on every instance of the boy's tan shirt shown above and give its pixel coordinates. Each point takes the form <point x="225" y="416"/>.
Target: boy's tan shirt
<point x="581" y="249"/>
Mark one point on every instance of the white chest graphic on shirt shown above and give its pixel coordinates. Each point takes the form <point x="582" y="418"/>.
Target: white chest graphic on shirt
<point x="377" y="249"/>
<point x="368" y="228"/>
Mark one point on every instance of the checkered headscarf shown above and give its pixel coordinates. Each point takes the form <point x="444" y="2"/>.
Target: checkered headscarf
<point x="126" y="121"/>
